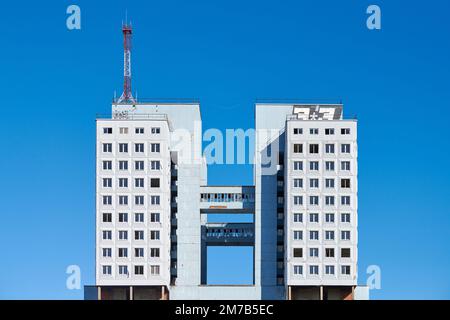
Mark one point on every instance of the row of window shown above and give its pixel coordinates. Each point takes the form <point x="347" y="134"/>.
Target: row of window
<point x="328" y="270"/>
<point x="314" y="165"/>
<point x="138" y="252"/>
<point x="328" y="131"/>
<point x="138" y="270"/>
<point x="137" y="130"/>
<point x="138" y="235"/>
<point x="328" y="253"/>
<point x="138" y="200"/>
<point x="329" y="235"/>
<point x="139" y="165"/>
<point x="138" y="182"/>
<point x="138" y="147"/>
<point x="329" y="148"/>
<point x="139" y="217"/>
<point x="328" y="200"/>
<point x="314" y="183"/>
<point x="329" y="217"/>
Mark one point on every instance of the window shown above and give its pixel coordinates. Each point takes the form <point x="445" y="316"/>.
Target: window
<point x="107" y="200"/>
<point x="123" y="182"/>
<point x="155" y="200"/>
<point x="139" y="270"/>
<point x="139" y="182"/>
<point x="314" y="270"/>
<point x="123" y="217"/>
<point x="107" y="165"/>
<point x="139" y="252"/>
<point x="329" y="252"/>
<point x="345" y="253"/>
<point x="155" y="165"/>
<point x="298" y="235"/>
<point x="107" y="217"/>
<point x="314" y="183"/>
<point x="298" y="253"/>
<point x="345" y="183"/>
<point x="123" y="235"/>
<point x="298" y="131"/>
<point x="155" y="147"/>
<point x="154" y="252"/>
<point x="345" y="200"/>
<point x="298" y="183"/>
<point x="314" y="165"/>
<point x="123" y="130"/>
<point x="139" y="165"/>
<point x="107" y="270"/>
<point x="313" y="148"/>
<point x="154" y="270"/>
<point x="345" y="148"/>
<point x="345" y="235"/>
<point x="329" y="235"/>
<point x="345" y="217"/>
<point x="139" y="200"/>
<point x="329" y="132"/>
<point x="314" y="235"/>
<point x="298" y="200"/>
<point x="107" y="130"/>
<point x="107" y="147"/>
<point x="139" y="217"/>
<point x="329" y="183"/>
<point x="154" y="217"/>
<point x="298" y="148"/>
<point x="123" y="147"/>
<point x="123" y="200"/>
<point x="107" y="252"/>
<point x="156" y="130"/>
<point x="123" y="270"/>
<point x="345" y="270"/>
<point x="123" y="252"/>
<point x="345" y="131"/>
<point x="298" y="270"/>
<point x="139" y="130"/>
<point x="314" y="252"/>
<point x="314" y="217"/>
<point x="107" y="182"/>
<point x="107" y="235"/>
<point x="329" y="148"/>
<point x="154" y="235"/>
<point x="329" y="270"/>
<point x="345" y="165"/>
<point x="298" y="217"/>
<point x="139" y="235"/>
<point x="123" y="165"/>
<point x="298" y="165"/>
<point x="329" y="200"/>
<point x="314" y="200"/>
<point x="139" y="147"/>
<point x="154" y="183"/>
<point x="329" y="217"/>
<point x="314" y="131"/>
<point x="329" y="165"/>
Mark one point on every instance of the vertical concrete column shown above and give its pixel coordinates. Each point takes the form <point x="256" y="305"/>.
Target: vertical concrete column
<point x="289" y="294"/>
<point x="321" y="293"/>
<point x="163" y="293"/>
<point x="99" y="293"/>
<point x="131" y="293"/>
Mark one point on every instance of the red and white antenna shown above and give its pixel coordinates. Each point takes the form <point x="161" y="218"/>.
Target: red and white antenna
<point x="126" y="96"/>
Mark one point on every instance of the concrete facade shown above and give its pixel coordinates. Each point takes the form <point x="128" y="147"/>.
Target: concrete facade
<point x="178" y="253"/>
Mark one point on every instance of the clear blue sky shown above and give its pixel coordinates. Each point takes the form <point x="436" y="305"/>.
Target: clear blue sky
<point x="226" y="53"/>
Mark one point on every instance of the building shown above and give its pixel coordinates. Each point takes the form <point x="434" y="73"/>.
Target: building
<point x="153" y="202"/>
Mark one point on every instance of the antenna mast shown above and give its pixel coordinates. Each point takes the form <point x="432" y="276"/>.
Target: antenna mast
<point x="126" y="95"/>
